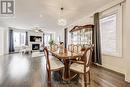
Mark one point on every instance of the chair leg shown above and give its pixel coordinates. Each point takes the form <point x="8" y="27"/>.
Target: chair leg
<point x="89" y="77"/>
<point x="85" y="80"/>
<point x="49" y="78"/>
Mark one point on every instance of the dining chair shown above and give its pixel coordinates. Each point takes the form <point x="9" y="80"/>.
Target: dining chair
<point x="79" y="48"/>
<point x="71" y="47"/>
<point x="52" y="64"/>
<point x="83" y="67"/>
<point x="75" y="48"/>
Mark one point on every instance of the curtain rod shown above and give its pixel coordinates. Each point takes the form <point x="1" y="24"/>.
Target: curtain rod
<point x="113" y="6"/>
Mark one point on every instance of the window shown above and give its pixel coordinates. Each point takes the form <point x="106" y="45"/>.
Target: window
<point x="47" y="38"/>
<point x="111" y="33"/>
<point x="19" y="39"/>
<point x="108" y="34"/>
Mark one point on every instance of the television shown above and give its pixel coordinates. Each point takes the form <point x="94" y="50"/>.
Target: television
<point x="35" y="38"/>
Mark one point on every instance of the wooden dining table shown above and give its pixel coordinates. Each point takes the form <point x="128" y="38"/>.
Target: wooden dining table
<point x="66" y="57"/>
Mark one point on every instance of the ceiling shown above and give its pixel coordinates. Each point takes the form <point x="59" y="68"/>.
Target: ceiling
<point x="44" y="13"/>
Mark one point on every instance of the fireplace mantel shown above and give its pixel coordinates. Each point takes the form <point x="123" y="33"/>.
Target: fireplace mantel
<point x="39" y="42"/>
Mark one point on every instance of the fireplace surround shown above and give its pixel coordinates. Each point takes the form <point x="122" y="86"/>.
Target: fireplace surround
<point x="35" y="46"/>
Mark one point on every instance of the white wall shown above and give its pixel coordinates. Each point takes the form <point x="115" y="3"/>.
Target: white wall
<point x="127" y="41"/>
<point x="4" y="40"/>
<point x="1" y="41"/>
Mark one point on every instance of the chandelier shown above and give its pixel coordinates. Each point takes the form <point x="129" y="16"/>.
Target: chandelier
<point x="61" y="21"/>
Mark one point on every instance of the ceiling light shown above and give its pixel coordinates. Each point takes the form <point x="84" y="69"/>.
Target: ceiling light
<point x="61" y="21"/>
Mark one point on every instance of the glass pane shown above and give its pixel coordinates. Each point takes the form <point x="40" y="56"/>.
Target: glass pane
<point x="47" y="38"/>
<point x="16" y="36"/>
<point x="108" y="34"/>
<point x="23" y="37"/>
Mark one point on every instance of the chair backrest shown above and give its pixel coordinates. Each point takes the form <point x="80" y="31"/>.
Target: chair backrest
<point x="75" y="48"/>
<point x="47" y="58"/>
<point x="79" y="48"/>
<point x="71" y="47"/>
<point x="87" y="55"/>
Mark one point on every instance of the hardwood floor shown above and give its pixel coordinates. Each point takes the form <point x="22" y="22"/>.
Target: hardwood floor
<point x="23" y="71"/>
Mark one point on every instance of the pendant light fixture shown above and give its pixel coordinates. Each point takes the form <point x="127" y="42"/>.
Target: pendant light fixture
<point x="62" y="21"/>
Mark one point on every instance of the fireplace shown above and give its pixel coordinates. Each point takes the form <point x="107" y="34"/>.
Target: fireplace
<point x="35" y="46"/>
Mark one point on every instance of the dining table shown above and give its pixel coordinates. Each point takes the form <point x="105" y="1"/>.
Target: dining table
<point x="66" y="58"/>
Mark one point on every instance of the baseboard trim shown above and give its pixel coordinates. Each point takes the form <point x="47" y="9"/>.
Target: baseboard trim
<point x="110" y="70"/>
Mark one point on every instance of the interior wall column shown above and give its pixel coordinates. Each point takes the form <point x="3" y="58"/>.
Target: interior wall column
<point x="127" y="42"/>
<point x="65" y="37"/>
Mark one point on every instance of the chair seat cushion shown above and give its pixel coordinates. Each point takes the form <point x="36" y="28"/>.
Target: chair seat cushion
<point x="78" y="68"/>
<point x="55" y="64"/>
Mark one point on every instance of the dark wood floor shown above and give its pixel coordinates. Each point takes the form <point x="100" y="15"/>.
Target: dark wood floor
<point x="23" y="71"/>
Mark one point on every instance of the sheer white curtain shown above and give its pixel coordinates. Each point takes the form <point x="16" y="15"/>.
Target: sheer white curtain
<point x="19" y="40"/>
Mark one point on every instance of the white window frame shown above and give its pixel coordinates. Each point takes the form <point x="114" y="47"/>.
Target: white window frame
<point x="118" y="11"/>
<point x="20" y="44"/>
<point x="53" y="36"/>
